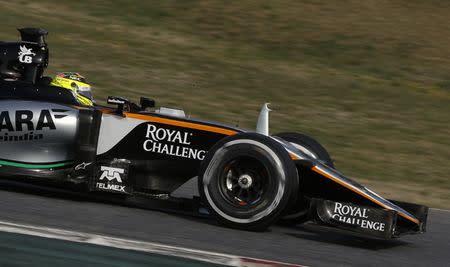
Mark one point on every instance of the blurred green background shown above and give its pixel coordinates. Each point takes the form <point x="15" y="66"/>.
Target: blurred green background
<point x="369" y="79"/>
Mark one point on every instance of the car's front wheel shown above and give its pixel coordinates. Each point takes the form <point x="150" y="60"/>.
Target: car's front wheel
<point x="308" y="145"/>
<point x="247" y="180"/>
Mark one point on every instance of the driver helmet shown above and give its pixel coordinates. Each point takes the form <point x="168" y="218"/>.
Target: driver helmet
<point x="76" y="83"/>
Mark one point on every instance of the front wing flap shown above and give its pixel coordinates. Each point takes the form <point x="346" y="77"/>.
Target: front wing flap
<point x="370" y="221"/>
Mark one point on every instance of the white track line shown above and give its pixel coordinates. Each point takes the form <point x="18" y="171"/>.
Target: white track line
<point x="440" y="210"/>
<point x="109" y="241"/>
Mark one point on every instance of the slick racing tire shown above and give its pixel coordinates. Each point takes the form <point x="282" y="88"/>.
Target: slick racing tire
<point x="299" y="213"/>
<point x="247" y="181"/>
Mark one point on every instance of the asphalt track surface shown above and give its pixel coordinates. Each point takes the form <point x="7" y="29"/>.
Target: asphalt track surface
<point x="308" y="244"/>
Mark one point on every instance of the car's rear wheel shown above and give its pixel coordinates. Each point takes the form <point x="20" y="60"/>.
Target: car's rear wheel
<point x="299" y="212"/>
<point x="247" y="180"/>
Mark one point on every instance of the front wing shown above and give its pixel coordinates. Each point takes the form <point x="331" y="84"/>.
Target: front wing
<point x="370" y="221"/>
<point x="338" y="201"/>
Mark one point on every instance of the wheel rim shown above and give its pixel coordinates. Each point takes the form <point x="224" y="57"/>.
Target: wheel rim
<point x="244" y="182"/>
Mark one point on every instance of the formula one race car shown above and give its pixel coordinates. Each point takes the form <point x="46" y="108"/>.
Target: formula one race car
<point x="246" y="179"/>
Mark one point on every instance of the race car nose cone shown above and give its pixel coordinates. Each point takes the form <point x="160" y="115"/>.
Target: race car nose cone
<point x="245" y="181"/>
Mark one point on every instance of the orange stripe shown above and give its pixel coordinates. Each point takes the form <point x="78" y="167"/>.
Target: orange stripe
<point x="181" y="123"/>
<point x="354" y="189"/>
<point x="106" y="110"/>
